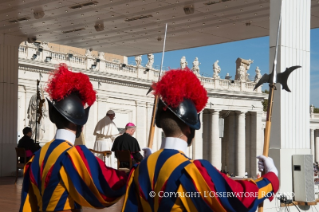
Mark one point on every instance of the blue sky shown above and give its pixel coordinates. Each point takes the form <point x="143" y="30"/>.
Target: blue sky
<point x="256" y="49"/>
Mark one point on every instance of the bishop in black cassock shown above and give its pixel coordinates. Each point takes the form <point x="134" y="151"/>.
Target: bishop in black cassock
<point x="128" y="142"/>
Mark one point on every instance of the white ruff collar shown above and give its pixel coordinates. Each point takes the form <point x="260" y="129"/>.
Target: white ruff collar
<point x="67" y="135"/>
<point x="174" y="143"/>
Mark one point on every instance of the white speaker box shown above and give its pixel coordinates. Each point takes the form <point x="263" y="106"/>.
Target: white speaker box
<point x="303" y="178"/>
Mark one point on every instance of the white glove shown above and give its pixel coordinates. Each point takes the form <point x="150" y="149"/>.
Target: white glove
<point x="147" y="151"/>
<point x="267" y="164"/>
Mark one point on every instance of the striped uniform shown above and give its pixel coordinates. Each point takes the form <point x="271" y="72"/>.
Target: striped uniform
<point x="62" y="177"/>
<point x="169" y="181"/>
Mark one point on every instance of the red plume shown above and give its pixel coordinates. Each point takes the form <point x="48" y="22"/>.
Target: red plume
<point x="62" y="82"/>
<point x="177" y="84"/>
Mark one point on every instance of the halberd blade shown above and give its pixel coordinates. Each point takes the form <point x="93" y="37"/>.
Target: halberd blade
<point x="282" y="78"/>
<point x="264" y="79"/>
<point x="149" y="90"/>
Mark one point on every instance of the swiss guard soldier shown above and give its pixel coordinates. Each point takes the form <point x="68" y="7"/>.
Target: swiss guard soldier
<point x="168" y="180"/>
<point x="63" y="177"/>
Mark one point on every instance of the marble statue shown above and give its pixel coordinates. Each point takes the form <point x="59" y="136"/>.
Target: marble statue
<point x="138" y="60"/>
<point x="242" y="66"/>
<point x="101" y="56"/>
<point x="45" y="46"/>
<point x="258" y="75"/>
<point x="196" y="64"/>
<point x="241" y="72"/>
<point x="88" y="53"/>
<point x="32" y="116"/>
<point x="150" y="61"/>
<point x="312" y="109"/>
<point x="183" y="62"/>
<point x="227" y="76"/>
<point x="216" y="70"/>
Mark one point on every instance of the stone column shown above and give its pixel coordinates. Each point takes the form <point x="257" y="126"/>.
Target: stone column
<point x="290" y="118"/>
<point x="248" y="143"/>
<point x="240" y="147"/>
<point x="91" y="123"/>
<point x="317" y="144"/>
<point x="9" y="45"/>
<point x="225" y="145"/>
<point x="257" y="140"/>
<point x="312" y="143"/>
<point x="231" y="145"/>
<point x="140" y="123"/>
<point x="206" y="134"/>
<point x="197" y="144"/>
<point x="148" y="118"/>
<point x="216" y="147"/>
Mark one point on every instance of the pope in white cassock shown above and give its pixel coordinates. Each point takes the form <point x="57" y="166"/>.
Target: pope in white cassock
<point x="105" y="132"/>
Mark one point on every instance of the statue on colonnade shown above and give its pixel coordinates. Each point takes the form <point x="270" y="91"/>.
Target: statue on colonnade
<point x="216" y="69"/>
<point x="312" y="109"/>
<point x="258" y="75"/>
<point x="88" y="53"/>
<point x="242" y="66"/>
<point x="138" y="60"/>
<point x="183" y="62"/>
<point x="101" y="56"/>
<point x="150" y="61"/>
<point x="196" y="64"/>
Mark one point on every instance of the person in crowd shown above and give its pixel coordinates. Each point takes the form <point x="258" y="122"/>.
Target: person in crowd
<point x="128" y="142"/>
<point x="28" y="144"/>
<point x="105" y="132"/>
<point x="61" y="176"/>
<point x="168" y="180"/>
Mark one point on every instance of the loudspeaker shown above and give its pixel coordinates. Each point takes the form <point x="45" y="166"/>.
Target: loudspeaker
<point x="189" y="9"/>
<point x="38" y="14"/>
<point x="99" y="26"/>
<point x="303" y="178"/>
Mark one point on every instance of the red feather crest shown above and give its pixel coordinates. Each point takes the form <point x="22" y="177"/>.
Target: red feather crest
<point x="175" y="85"/>
<point x="63" y="82"/>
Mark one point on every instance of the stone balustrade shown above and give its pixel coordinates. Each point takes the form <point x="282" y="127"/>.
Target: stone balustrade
<point x="98" y="65"/>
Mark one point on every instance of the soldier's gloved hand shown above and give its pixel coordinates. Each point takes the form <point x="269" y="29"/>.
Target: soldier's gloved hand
<point x="267" y="164"/>
<point x="147" y="151"/>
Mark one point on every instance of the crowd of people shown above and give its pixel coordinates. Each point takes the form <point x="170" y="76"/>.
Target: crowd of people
<point x="65" y="177"/>
<point x="316" y="172"/>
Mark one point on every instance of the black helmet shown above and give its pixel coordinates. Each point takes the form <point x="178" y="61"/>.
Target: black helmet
<point x="186" y="112"/>
<point x="70" y="108"/>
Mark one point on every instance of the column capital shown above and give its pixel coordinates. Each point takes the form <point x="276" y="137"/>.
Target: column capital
<point x="140" y="104"/>
<point x="260" y="113"/>
<point x="215" y="111"/>
<point x="241" y="112"/>
<point x="232" y="113"/>
<point x="149" y="104"/>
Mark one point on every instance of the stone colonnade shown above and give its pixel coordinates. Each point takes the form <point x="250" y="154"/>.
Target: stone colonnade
<point x="242" y="141"/>
<point x="314" y="144"/>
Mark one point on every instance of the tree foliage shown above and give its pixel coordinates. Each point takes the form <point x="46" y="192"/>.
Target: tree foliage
<point x="265" y="101"/>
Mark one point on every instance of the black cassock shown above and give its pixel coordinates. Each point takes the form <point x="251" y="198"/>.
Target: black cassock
<point x="28" y="144"/>
<point x="127" y="142"/>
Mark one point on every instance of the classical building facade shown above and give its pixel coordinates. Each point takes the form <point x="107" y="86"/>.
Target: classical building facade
<point x="233" y="120"/>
